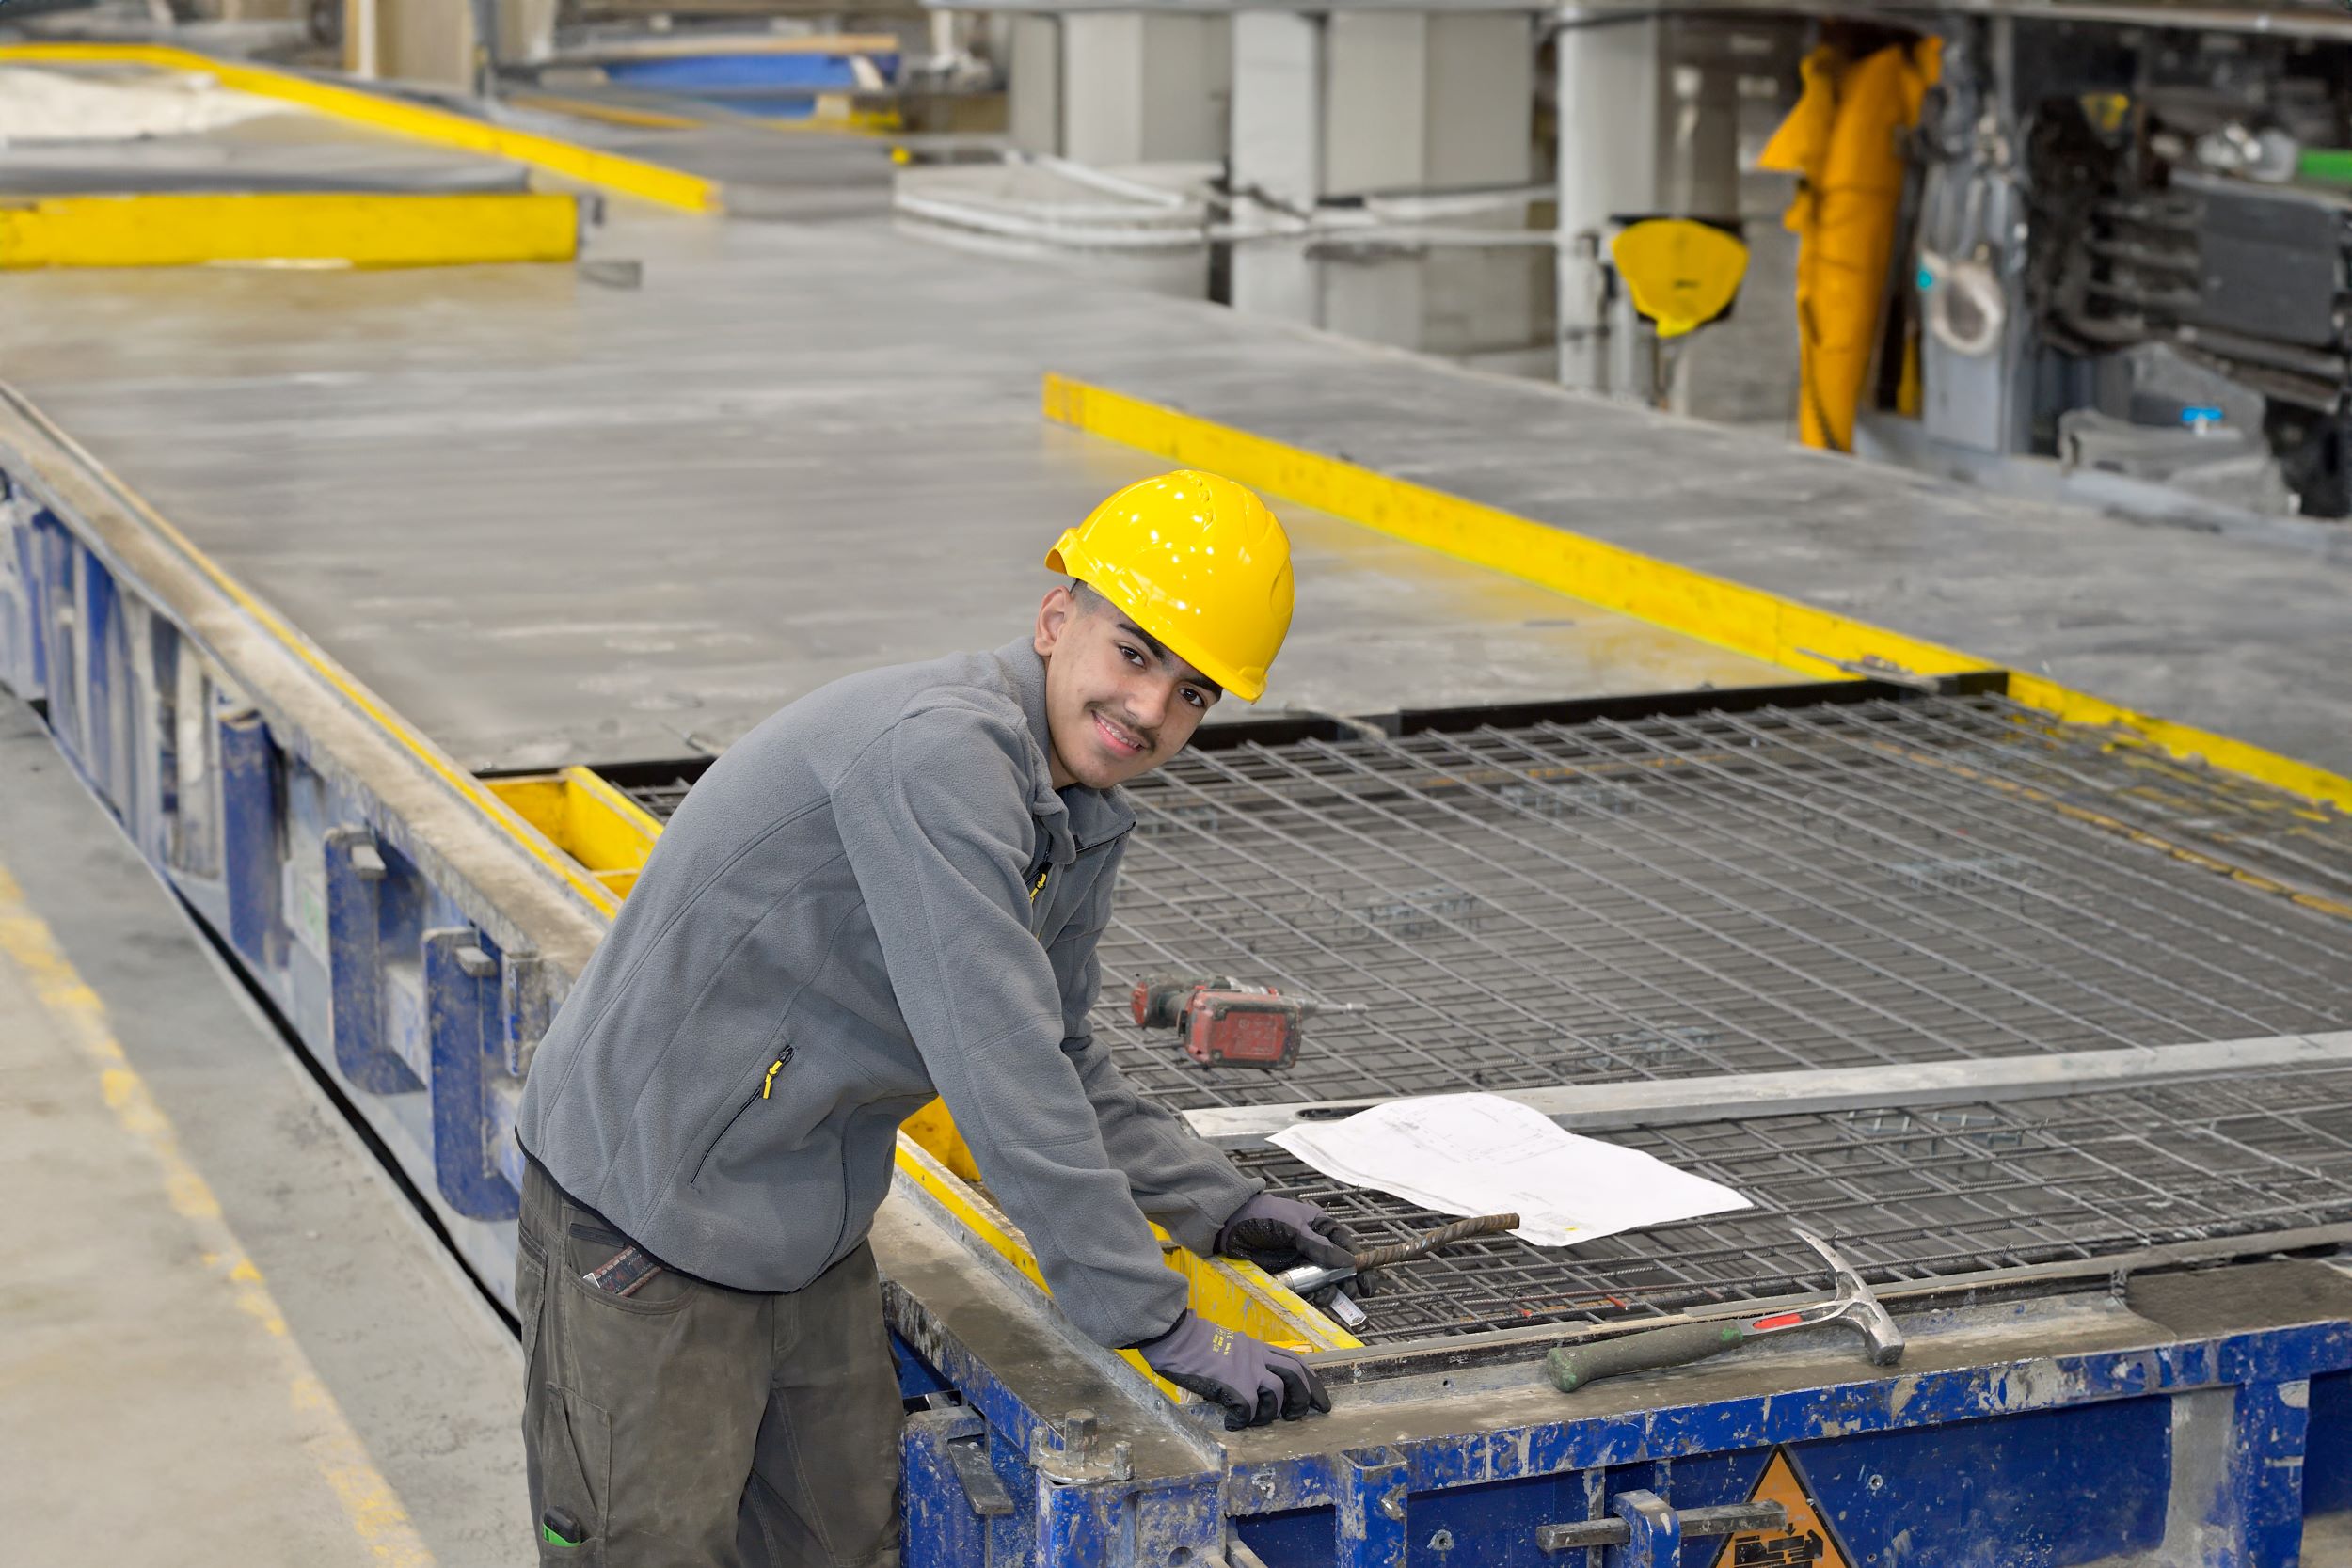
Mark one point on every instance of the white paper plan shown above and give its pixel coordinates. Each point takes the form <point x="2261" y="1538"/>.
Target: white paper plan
<point x="1482" y="1154"/>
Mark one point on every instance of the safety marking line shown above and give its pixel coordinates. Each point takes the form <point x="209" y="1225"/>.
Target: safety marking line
<point x="374" y="1510"/>
<point x="610" y="171"/>
<point x="312" y="228"/>
<point x="1700" y="605"/>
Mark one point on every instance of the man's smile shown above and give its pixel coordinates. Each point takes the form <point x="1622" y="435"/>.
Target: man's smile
<point x="1120" y="738"/>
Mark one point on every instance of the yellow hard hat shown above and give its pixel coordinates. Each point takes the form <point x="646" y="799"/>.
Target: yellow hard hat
<point x="1200" y="564"/>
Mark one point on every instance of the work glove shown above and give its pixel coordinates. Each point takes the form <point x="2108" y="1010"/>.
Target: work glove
<point x="1253" y="1381"/>
<point x="1277" y="1234"/>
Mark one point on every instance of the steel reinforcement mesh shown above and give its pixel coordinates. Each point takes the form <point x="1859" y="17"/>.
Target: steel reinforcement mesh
<point x="1906" y="1196"/>
<point x="1805" y="887"/>
<point x="1816" y="887"/>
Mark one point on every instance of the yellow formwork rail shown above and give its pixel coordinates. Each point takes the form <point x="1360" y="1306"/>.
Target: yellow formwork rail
<point x="399" y="117"/>
<point x="331" y="229"/>
<point x="1232" y="1294"/>
<point x="1710" y="609"/>
<point x="581" y="814"/>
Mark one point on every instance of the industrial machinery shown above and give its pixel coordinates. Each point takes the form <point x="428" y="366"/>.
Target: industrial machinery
<point x="2129" y="254"/>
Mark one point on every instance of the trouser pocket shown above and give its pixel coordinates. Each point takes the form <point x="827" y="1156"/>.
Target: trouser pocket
<point x="575" y="1464"/>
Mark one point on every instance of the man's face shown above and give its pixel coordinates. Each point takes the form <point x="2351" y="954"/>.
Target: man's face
<point x="1118" y="703"/>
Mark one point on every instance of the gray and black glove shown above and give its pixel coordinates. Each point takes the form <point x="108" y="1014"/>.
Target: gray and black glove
<point x="1279" y="1233"/>
<point x="1255" y="1382"/>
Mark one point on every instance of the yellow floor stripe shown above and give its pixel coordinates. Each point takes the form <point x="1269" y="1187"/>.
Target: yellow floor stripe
<point x="309" y="226"/>
<point x="1699" y="604"/>
<point x="586" y="166"/>
<point x="368" y="1501"/>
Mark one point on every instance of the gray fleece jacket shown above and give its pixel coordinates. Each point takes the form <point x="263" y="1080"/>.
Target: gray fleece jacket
<point x="874" y="896"/>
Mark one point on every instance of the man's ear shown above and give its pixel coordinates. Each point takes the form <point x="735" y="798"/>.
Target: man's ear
<point x="1054" y="617"/>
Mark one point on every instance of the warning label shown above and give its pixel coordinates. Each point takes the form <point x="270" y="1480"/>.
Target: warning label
<point x="1806" y="1542"/>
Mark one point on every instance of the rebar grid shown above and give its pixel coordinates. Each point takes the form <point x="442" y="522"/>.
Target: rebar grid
<point x="1906" y="1196"/>
<point x="1809" y="887"/>
<point x="1798" y="888"/>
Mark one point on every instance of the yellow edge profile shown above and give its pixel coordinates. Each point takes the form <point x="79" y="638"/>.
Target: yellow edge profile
<point x="1711" y="608"/>
<point x="582" y="815"/>
<point x="305" y="227"/>
<point x="1237" y="1296"/>
<point x="422" y="122"/>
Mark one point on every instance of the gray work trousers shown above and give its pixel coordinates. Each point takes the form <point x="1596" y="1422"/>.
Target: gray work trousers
<point x="689" y="1424"/>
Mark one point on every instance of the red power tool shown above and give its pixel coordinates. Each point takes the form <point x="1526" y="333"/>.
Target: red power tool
<point x="1228" y="1022"/>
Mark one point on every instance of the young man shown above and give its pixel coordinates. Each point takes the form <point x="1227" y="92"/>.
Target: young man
<point x="892" y="888"/>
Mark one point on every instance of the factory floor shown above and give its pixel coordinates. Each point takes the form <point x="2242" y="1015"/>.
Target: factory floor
<point x="227" y="1338"/>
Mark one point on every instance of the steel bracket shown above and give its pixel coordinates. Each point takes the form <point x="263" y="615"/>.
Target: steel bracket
<point x="1074" y="1453"/>
<point x="1634" y="1522"/>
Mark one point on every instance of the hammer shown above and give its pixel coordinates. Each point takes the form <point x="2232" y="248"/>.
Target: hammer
<point x="1571" y="1367"/>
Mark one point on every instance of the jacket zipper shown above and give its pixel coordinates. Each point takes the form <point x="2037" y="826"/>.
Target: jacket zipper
<point x="767" y="1087"/>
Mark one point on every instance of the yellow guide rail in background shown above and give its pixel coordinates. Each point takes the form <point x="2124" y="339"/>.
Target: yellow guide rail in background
<point x="315" y="228"/>
<point x="400" y="116"/>
<point x="1751" y="621"/>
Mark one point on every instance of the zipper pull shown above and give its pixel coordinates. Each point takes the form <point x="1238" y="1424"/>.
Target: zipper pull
<point x="770" y="1082"/>
<point x="1039" y="886"/>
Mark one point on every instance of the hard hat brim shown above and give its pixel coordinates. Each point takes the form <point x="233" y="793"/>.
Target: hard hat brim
<point x="1069" y="559"/>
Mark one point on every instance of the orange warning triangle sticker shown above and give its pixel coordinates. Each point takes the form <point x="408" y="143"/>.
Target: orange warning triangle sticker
<point x="1806" y="1542"/>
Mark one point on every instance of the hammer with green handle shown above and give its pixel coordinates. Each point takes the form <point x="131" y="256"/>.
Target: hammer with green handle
<point x="1571" y="1367"/>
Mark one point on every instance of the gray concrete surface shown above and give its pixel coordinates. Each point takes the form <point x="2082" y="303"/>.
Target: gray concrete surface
<point x="553" y="521"/>
<point x="148" y="1413"/>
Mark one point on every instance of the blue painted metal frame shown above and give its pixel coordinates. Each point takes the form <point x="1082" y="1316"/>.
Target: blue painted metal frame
<point x="467" y="1032"/>
<point x="430" y="1027"/>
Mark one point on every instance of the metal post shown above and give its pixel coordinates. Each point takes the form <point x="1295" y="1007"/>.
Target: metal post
<point x="1077" y="1526"/>
<point x="24" y="660"/>
<point x="355" y="876"/>
<point x="946" y="1501"/>
<point x="249" y="821"/>
<point x="102" y="616"/>
<point x="1372" y="1511"/>
<point x="61" y="631"/>
<point x="2261" y="1505"/>
<point x="461" y="992"/>
<point x="1610" y="86"/>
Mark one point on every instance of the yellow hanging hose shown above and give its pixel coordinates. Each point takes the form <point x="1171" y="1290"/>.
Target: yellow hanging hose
<point x="1843" y="141"/>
